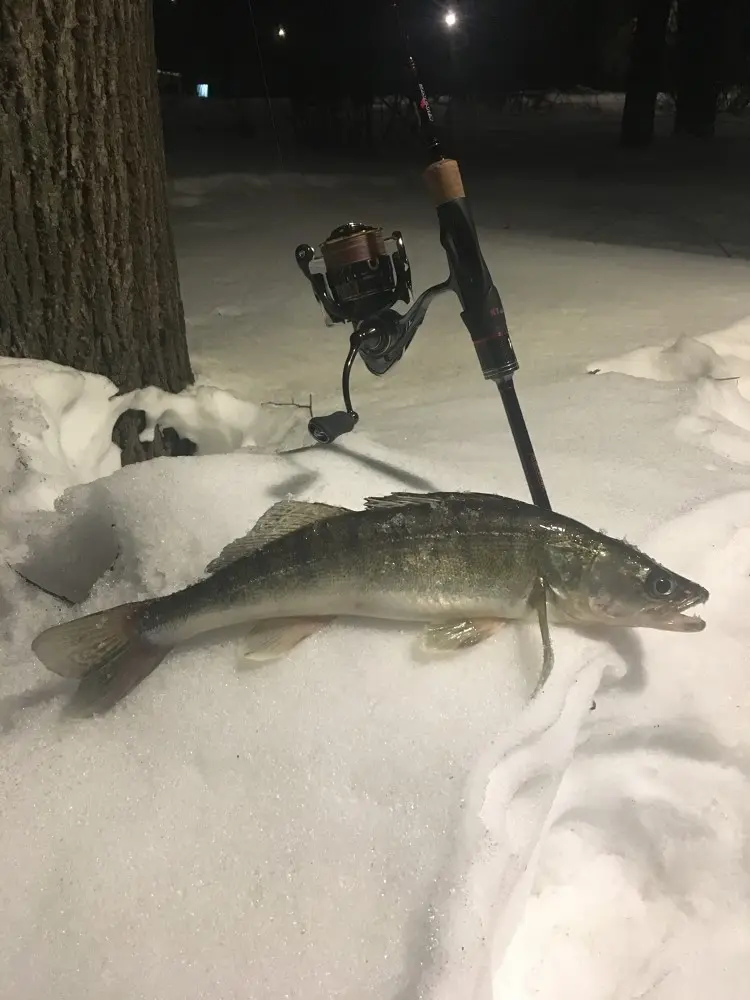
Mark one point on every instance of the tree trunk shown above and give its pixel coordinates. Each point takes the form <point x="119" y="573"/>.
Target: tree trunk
<point x="701" y="36"/>
<point x="647" y="54"/>
<point x="88" y="276"/>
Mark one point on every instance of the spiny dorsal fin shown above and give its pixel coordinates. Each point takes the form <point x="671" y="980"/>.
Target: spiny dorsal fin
<point x="404" y="500"/>
<point x="281" y="519"/>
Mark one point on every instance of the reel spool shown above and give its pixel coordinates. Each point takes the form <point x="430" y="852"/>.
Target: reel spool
<point x="357" y="272"/>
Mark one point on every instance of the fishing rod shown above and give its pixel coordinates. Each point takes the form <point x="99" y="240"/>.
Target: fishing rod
<point x="358" y="275"/>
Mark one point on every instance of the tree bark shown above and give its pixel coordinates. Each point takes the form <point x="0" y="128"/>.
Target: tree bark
<point x="88" y="275"/>
<point x="701" y="37"/>
<point x="647" y="55"/>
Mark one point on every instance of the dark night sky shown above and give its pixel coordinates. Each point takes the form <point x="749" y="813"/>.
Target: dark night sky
<point x="350" y="43"/>
<point x="215" y="38"/>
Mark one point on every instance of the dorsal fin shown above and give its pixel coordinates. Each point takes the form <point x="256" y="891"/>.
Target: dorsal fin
<point x="281" y="519"/>
<point x="403" y="500"/>
<point x="425" y="499"/>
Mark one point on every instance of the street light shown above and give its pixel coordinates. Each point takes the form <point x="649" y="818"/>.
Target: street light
<point x="450" y="18"/>
<point x="281" y="31"/>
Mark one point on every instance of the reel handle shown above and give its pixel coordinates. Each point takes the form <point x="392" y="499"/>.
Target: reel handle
<point x="326" y="429"/>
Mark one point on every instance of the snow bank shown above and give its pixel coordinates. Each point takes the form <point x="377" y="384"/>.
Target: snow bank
<point x="719" y="364"/>
<point x="58" y="433"/>
<point x="218" y="421"/>
<point x="61" y="422"/>
<point x="722" y="354"/>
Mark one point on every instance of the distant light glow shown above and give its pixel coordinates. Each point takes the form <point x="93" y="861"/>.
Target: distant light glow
<point x="451" y="19"/>
<point x="281" y="31"/>
<point x="202" y="90"/>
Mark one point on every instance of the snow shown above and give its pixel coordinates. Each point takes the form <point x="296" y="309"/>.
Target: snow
<point x="349" y="822"/>
<point x="61" y="422"/>
<point x="720" y="365"/>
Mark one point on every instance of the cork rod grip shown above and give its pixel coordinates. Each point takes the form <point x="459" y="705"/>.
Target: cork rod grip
<point x="444" y="182"/>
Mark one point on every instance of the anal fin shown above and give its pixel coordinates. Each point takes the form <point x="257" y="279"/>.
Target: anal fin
<point x="272" y="639"/>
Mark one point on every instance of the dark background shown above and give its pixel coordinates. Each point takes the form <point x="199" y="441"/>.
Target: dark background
<point x="695" y="52"/>
<point x="338" y="46"/>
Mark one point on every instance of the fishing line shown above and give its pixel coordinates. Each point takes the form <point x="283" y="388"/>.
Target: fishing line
<point x="264" y="78"/>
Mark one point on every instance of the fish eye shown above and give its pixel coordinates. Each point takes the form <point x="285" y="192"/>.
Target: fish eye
<point x="659" y="584"/>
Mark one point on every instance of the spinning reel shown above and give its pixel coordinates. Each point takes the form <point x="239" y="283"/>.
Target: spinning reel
<point x="357" y="276"/>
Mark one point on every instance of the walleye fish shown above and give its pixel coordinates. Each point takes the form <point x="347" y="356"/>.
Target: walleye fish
<point x="463" y="563"/>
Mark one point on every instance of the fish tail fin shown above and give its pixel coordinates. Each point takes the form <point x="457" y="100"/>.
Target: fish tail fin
<point x="107" y="651"/>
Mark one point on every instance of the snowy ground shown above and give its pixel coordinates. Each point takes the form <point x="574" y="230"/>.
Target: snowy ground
<point x="350" y="823"/>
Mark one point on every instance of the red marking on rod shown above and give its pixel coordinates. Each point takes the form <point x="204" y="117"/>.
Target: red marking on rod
<point x="492" y="336"/>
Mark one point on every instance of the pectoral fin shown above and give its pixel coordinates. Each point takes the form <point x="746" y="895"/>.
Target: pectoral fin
<point x="451" y="636"/>
<point x="538" y="601"/>
<point x="270" y="640"/>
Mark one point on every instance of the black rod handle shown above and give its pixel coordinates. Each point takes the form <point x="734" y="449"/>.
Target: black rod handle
<point x="483" y="313"/>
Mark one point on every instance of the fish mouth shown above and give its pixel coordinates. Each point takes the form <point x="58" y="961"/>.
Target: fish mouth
<point x="678" y="621"/>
